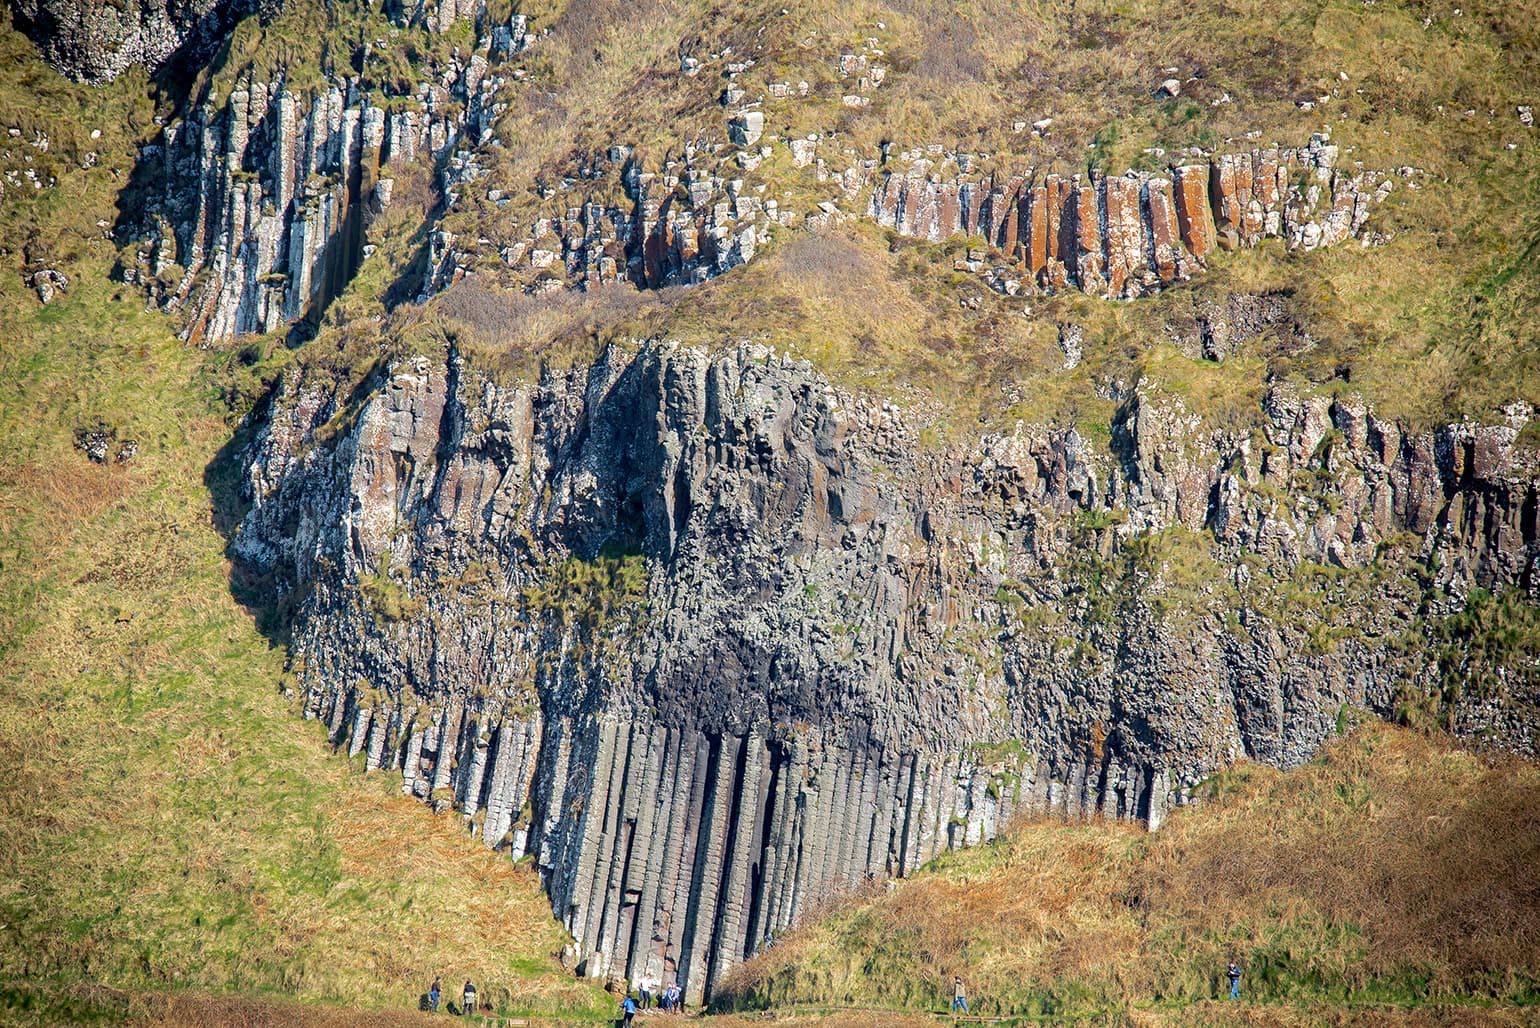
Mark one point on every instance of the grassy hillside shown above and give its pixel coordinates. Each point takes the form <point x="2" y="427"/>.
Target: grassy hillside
<point x="169" y="824"/>
<point x="1439" y="322"/>
<point x="173" y="835"/>
<point x="1392" y="873"/>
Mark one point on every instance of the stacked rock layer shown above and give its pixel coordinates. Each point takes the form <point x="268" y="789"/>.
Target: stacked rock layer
<point x="1130" y="236"/>
<point x="713" y="640"/>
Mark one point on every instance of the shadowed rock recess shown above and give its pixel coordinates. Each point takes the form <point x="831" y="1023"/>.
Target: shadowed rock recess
<point x="713" y="640"/>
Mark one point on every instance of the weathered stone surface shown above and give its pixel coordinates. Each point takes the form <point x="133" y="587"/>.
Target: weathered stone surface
<point x="95" y="42"/>
<point x="1126" y="260"/>
<point x="1084" y="259"/>
<point x="1128" y="236"/>
<point x="746" y="128"/>
<point x="1194" y="219"/>
<point x="263" y="201"/>
<point x="833" y="641"/>
<point x="1165" y="239"/>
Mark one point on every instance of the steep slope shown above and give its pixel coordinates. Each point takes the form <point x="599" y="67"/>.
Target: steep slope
<point x="715" y="640"/>
<point x="168" y="824"/>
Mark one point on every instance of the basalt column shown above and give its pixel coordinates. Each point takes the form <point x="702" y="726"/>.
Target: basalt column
<point x="672" y="855"/>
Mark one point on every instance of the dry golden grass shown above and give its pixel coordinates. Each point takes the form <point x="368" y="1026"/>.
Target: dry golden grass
<point x="169" y="824"/>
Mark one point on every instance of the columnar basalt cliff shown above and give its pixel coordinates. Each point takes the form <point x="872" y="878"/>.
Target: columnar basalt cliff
<point x="261" y="200"/>
<point x="713" y="640"/>
<point x="1132" y="235"/>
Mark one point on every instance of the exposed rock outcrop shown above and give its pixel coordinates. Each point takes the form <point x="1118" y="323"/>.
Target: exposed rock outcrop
<point x="96" y="42"/>
<point x="260" y="199"/>
<point x="1130" y="236"/>
<point x="679" y="224"/>
<point x="714" y="640"/>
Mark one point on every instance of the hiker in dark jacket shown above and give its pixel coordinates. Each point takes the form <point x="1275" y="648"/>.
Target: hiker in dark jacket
<point x="1235" y="980"/>
<point x="468" y="998"/>
<point x="433" y="994"/>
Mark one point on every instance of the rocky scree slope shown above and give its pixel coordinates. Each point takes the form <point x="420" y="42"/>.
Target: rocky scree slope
<point x="713" y="640"/>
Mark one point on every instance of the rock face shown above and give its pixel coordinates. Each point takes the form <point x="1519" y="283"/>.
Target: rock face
<point x="678" y="224"/>
<point x="259" y="200"/>
<point x="713" y="640"/>
<point x="96" y="42"/>
<point x="1129" y="236"/>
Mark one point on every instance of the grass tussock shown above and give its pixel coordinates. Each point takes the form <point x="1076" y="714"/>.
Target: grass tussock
<point x="1393" y="871"/>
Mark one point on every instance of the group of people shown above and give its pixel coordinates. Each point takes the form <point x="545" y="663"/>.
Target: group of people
<point x="670" y="999"/>
<point x="467" y="997"/>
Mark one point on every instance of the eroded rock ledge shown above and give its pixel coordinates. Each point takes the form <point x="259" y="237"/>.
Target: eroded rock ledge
<point x="1131" y="235"/>
<point x="713" y="640"/>
<point x="257" y="202"/>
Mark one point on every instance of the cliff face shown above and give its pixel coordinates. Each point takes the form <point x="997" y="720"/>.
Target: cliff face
<point x="1132" y="235"/>
<point x="713" y="639"/>
<point x="96" y="42"/>
<point x="259" y="199"/>
<point x="261" y="195"/>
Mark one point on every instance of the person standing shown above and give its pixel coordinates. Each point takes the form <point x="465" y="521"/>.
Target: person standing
<point x="434" y="992"/>
<point x="468" y="998"/>
<point x="1234" y="974"/>
<point x="959" y="995"/>
<point x="627" y="1010"/>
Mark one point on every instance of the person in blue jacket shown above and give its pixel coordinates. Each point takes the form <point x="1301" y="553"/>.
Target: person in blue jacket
<point x="627" y="1010"/>
<point x="959" y="996"/>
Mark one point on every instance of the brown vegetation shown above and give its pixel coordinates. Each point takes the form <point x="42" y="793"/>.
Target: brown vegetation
<point x="1393" y="870"/>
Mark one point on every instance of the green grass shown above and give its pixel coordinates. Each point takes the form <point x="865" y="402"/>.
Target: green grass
<point x="174" y="833"/>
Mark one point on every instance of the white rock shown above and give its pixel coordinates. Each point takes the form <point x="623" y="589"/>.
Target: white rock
<point x="747" y="127"/>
